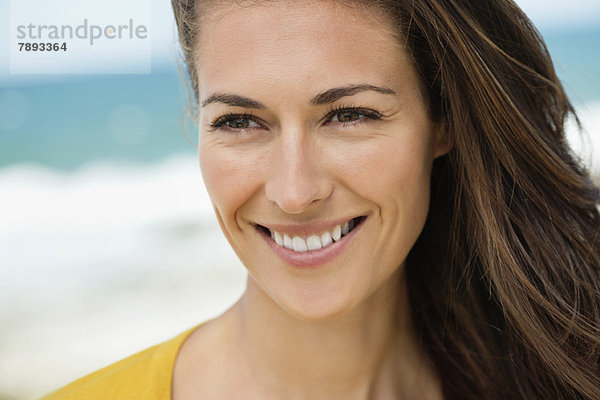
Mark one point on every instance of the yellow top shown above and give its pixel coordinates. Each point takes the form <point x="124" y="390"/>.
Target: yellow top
<point x="146" y="375"/>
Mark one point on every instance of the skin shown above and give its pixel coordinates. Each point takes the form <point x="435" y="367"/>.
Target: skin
<point x="342" y="330"/>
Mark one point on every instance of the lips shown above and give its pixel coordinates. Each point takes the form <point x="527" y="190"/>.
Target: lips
<point x="308" y="242"/>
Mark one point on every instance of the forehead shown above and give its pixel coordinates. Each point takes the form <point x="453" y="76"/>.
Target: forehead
<point x="297" y="45"/>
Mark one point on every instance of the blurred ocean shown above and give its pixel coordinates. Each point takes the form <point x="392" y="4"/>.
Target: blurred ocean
<point x="108" y="243"/>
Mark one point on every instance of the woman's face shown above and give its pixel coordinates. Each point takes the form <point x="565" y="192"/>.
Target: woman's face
<point x="311" y="117"/>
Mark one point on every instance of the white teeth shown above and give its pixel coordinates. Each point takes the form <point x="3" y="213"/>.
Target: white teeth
<point x="299" y="244"/>
<point x="326" y="239"/>
<point x="313" y="242"/>
<point x="345" y="228"/>
<point x="278" y="239"/>
<point x="287" y="242"/>
<point x="337" y="233"/>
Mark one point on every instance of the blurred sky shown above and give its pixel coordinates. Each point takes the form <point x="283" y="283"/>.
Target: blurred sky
<point x="548" y="15"/>
<point x="551" y="15"/>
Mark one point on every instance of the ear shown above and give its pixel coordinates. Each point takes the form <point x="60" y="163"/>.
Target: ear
<point x="443" y="141"/>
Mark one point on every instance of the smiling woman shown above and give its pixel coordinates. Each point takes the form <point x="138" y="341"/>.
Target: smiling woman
<point x="294" y="159"/>
<point x="395" y="178"/>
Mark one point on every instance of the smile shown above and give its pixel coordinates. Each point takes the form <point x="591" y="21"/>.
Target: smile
<point x="315" y="241"/>
<point x="313" y="245"/>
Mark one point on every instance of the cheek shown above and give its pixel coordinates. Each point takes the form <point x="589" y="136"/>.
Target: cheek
<point x="388" y="170"/>
<point x="230" y="178"/>
<point x="396" y="179"/>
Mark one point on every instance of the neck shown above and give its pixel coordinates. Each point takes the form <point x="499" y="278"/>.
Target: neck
<point x="368" y="352"/>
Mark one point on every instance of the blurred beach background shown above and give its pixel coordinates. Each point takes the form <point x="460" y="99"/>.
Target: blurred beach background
<point x="108" y="242"/>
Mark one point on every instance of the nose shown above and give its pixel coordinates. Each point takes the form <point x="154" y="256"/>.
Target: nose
<point x="298" y="174"/>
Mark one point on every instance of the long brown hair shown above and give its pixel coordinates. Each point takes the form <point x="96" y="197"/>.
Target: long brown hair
<point x="504" y="281"/>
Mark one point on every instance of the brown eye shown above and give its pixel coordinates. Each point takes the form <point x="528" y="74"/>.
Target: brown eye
<point x="351" y="115"/>
<point x="348" y="116"/>
<point x="235" y="122"/>
<point x="238" y="123"/>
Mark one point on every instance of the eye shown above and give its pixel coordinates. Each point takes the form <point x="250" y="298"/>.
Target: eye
<point x="350" y="115"/>
<point x="235" y="122"/>
<point x="347" y="116"/>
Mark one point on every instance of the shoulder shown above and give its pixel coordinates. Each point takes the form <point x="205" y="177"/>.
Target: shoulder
<point x="145" y="375"/>
<point x="209" y="364"/>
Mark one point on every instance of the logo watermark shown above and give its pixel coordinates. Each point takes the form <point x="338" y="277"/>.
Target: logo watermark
<point x="83" y="31"/>
<point x="80" y="37"/>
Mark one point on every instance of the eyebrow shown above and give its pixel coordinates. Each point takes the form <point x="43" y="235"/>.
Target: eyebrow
<point x="233" y="100"/>
<point x="328" y="96"/>
<point x="334" y="94"/>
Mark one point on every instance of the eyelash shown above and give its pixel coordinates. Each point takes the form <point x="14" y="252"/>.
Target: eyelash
<point x="223" y="119"/>
<point x="365" y="112"/>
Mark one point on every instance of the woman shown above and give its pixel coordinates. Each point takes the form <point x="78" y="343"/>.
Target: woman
<point x="394" y="176"/>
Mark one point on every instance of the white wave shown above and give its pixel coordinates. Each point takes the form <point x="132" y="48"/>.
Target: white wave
<point x="100" y="194"/>
<point x="587" y="146"/>
<point x="92" y="221"/>
<point x="101" y="262"/>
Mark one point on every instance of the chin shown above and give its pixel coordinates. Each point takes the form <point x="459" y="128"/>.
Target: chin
<point x="314" y="308"/>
